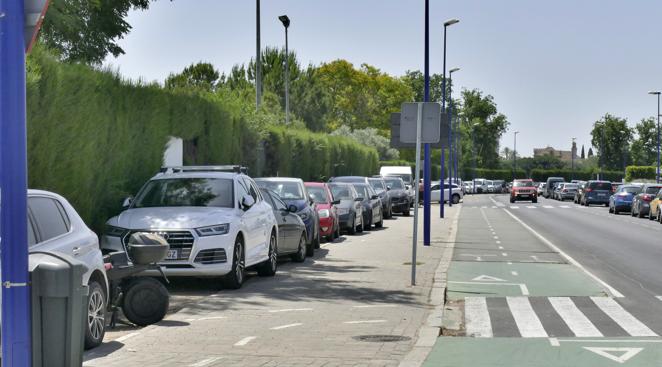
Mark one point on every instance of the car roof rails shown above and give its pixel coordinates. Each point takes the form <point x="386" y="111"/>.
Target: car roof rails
<point x="223" y="168"/>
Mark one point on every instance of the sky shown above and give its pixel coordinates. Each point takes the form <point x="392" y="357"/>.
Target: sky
<point x="553" y="67"/>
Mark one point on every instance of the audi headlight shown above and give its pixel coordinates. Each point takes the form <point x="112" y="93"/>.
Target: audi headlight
<point x="324" y="213"/>
<point x="215" y="230"/>
<point x="342" y="211"/>
<point x="112" y="231"/>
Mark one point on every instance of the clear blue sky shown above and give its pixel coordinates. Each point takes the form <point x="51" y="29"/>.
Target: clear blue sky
<point x="553" y="67"/>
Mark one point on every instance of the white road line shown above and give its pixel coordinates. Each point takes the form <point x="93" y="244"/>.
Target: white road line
<point x="623" y="318"/>
<point x="498" y="242"/>
<point x="580" y="325"/>
<point x="514" y="207"/>
<point x="125" y="337"/>
<point x="523" y="288"/>
<point x="659" y="297"/>
<point x="504" y="254"/>
<point x="207" y="318"/>
<point x="514" y="273"/>
<point x="245" y="341"/>
<point x="534" y="257"/>
<point x="286" y="326"/>
<point x="365" y="322"/>
<point x="526" y="319"/>
<point x="496" y="237"/>
<point x="548" y="207"/>
<point x="531" y="207"/>
<point x="500" y="247"/>
<point x="477" y="317"/>
<point x="373" y="306"/>
<point x="564" y="207"/>
<point x="205" y="362"/>
<point x="568" y="258"/>
<point x="291" y="310"/>
<point x="494" y="207"/>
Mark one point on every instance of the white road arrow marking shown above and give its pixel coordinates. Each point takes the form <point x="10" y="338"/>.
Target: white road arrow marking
<point x="605" y="352"/>
<point x="488" y="278"/>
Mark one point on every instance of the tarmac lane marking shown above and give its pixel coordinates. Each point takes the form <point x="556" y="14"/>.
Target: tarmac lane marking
<point x="245" y="341"/>
<point x="286" y="326"/>
<point x="527" y="321"/>
<point x="205" y="362"/>
<point x="623" y="318"/>
<point x="580" y="325"/>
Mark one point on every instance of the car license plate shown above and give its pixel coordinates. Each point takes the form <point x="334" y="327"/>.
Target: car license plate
<point x="525" y="195"/>
<point x="172" y="255"/>
<point x="601" y="194"/>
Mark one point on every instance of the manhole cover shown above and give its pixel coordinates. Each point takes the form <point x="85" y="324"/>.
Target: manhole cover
<point x="381" y="338"/>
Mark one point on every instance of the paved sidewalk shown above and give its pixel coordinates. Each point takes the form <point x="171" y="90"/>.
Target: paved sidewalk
<point x="311" y="314"/>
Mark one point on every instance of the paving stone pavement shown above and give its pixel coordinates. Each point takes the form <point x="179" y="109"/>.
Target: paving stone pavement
<point x="309" y="314"/>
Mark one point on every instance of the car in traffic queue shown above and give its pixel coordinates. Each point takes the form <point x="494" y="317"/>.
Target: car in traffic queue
<point x="596" y="192"/>
<point x="384" y="193"/>
<point x="350" y="206"/>
<point x="541" y="189"/>
<point x="291" y="229"/>
<point x="621" y="200"/>
<point x="326" y="209"/>
<point x="641" y="201"/>
<point x="400" y="200"/>
<point x="566" y="191"/>
<point x="213" y="217"/>
<point x="490" y="186"/>
<point x="55" y="226"/>
<point x="372" y="206"/>
<point x="523" y="190"/>
<point x="450" y="191"/>
<point x="405" y="173"/>
<point x="499" y="186"/>
<point x="615" y="186"/>
<point x="655" y="212"/>
<point x="550" y="186"/>
<point x="293" y="192"/>
<point x="581" y="185"/>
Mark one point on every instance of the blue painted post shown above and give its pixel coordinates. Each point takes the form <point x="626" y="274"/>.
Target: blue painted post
<point x="443" y="155"/>
<point x="16" y="342"/>
<point x="426" y="165"/>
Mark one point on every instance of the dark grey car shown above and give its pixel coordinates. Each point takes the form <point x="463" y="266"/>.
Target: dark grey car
<point x="384" y="193"/>
<point x="400" y="202"/>
<point x="372" y="206"/>
<point x="642" y="201"/>
<point x="350" y="209"/>
<point x="291" y="229"/>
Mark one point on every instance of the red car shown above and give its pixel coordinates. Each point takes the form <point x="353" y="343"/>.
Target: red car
<point x="326" y="208"/>
<point x="524" y="190"/>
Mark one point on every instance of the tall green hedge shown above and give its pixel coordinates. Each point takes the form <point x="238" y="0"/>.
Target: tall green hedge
<point x="633" y="173"/>
<point x="542" y="174"/>
<point x="96" y="138"/>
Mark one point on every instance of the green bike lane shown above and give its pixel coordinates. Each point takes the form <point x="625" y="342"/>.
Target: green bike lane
<point x="513" y="299"/>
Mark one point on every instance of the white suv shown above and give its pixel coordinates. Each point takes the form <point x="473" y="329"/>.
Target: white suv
<point x="214" y="218"/>
<point x="54" y="226"/>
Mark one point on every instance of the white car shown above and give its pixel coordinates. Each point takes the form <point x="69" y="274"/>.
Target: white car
<point x="54" y="226"/>
<point x="214" y="218"/>
<point x="456" y="196"/>
<point x="490" y="186"/>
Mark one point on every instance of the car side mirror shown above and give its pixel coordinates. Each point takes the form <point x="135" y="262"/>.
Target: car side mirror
<point x="247" y="202"/>
<point x="358" y="199"/>
<point x="292" y="208"/>
<point x="374" y="197"/>
<point x="311" y="199"/>
<point x="388" y="188"/>
<point x="336" y="202"/>
<point x="127" y="202"/>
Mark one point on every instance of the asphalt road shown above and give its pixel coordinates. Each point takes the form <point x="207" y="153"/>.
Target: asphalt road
<point x="623" y="251"/>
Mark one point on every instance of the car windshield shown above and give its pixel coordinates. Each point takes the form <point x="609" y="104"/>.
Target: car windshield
<point x="341" y="192"/>
<point x="601" y="186"/>
<point x="405" y="177"/>
<point x="653" y="189"/>
<point x="630" y="189"/>
<point x="209" y="192"/>
<point x="522" y="184"/>
<point x="363" y="191"/>
<point x="319" y="194"/>
<point x="377" y="185"/>
<point x="287" y="190"/>
<point x="394" y="183"/>
<point x="570" y="186"/>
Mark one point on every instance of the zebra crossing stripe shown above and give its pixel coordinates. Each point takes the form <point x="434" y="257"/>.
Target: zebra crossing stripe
<point x="514" y="207"/>
<point x="530" y="207"/>
<point x="580" y="325"/>
<point x="477" y="318"/>
<point x="623" y="318"/>
<point x="548" y="207"/>
<point x="527" y="321"/>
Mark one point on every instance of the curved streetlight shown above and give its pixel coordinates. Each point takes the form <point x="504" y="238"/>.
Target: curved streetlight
<point x="447" y="24"/>
<point x="286" y="23"/>
<point x="657" y="175"/>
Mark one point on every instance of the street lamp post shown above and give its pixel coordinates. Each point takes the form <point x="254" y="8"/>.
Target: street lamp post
<point x="452" y="159"/>
<point x="657" y="172"/>
<point x="572" y="154"/>
<point x="286" y="23"/>
<point x="443" y="102"/>
<point x="473" y="147"/>
<point x="515" y="154"/>
<point x="258" y="62"/>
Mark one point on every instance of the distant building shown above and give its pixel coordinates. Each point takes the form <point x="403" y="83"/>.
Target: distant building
<point x="564" y="155"/>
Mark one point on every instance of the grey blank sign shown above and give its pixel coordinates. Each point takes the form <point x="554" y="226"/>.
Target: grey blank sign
<point x="395" y="133"/>
<point x="430" y="123"/>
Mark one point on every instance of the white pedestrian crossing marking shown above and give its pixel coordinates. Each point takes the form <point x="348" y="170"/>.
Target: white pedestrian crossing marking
<point x="548" y="207"/>
<point x="564" y="207"/>
<point x="574" y="318"/>
<point x="527" y="321"/>
<point x="514" y="207"/>
<point x="531" y="207"/>
<point x="477" y="318"/>
<point x="623" y="318"/>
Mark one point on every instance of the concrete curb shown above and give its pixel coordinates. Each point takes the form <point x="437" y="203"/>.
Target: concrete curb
<point x="430" y="331"/>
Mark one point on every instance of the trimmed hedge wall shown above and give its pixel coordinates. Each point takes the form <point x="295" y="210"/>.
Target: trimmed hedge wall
<point x="95" y="138"/>
<point x="633" y="173"/>
<point x="541" y="174"/>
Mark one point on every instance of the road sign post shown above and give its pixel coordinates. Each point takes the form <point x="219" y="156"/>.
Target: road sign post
<point x="419" y="120"/>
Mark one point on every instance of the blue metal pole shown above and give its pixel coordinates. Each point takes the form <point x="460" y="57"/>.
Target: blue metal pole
<point x="657" y="176"/>
<point x="451" y="153"/>
<point x="443" y="155"/>
<point x="16" y="342"/>
<point x="426" y="173"/>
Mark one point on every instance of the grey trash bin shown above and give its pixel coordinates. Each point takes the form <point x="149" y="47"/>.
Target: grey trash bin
<point x="59" y="311"/>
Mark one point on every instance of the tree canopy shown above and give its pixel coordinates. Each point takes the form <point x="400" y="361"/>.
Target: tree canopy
<point x="611" y="136"/>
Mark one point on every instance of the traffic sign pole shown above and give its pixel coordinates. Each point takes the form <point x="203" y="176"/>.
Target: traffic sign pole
<point x="426" y="166"/>
<point x="16" y="339"/>
<point x="419" y="118"/>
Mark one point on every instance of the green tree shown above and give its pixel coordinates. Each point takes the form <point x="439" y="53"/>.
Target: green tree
<point x="611" y="136"/>
<point x="481" y="129"/>
<point x="583" y="156"/>
<point x="416" y="81"/>
<point x="644" y="147"/>
<point x="590" y="152"/>
<point x="201" y="76"/>
<point x="370" y="137"/>
<point x="87" y="30"/>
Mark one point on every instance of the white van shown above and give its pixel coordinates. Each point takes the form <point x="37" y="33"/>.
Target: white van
<point x="405" y="173"/>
